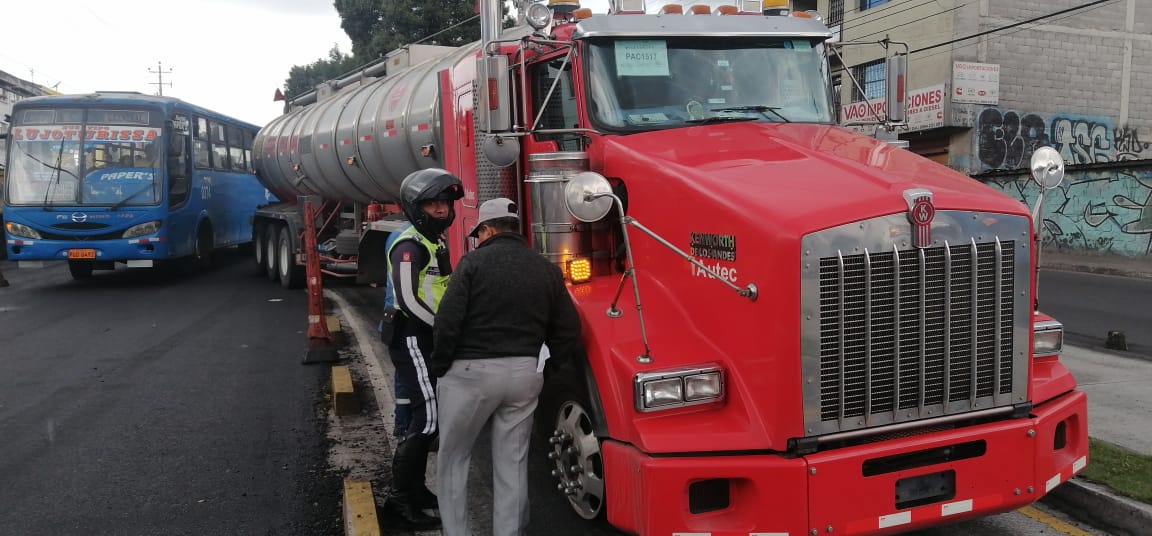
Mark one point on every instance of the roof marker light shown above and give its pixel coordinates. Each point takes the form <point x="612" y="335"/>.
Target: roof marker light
<point x="582" y="13"/>
<point x="727" y="10"/>
<point x="672" y="9"/>
<point x="700" y="9"/>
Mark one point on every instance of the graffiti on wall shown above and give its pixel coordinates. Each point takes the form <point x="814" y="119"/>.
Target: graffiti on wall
<point x="1100" y="211"/>
<point x="1104" y="210"/>
<point x="1006" y="139"/>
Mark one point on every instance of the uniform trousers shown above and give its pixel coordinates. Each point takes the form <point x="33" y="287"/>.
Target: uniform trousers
<point x="473" y="392"/>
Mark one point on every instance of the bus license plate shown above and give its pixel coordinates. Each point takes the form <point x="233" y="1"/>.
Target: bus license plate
<point x="81" y="254"/>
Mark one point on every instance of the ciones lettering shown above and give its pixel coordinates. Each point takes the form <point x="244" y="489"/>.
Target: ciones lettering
<point x="713" y="246"/>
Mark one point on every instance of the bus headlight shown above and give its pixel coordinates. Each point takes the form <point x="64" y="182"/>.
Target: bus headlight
<point x="23" y="231"/>
<point x="678" y="388"/>
<point x="1047" y="338"/>
<point x="142" y="229"/>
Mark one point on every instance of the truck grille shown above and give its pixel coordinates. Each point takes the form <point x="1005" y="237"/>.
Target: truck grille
<point x="904" y="334"/>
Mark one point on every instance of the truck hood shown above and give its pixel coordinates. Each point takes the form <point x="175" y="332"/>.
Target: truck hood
<point x="740" y="198"/>
<point x="777" y="168"/>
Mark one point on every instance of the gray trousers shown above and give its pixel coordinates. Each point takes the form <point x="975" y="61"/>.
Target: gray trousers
<point x="505" y="391"/>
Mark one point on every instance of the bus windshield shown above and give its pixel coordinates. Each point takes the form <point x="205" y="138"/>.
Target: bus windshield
<point x="645" y="84"/>
<point x="78" y="157"/>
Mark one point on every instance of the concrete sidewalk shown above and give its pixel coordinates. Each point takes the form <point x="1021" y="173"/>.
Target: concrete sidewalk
<point x="1119" y="389"/>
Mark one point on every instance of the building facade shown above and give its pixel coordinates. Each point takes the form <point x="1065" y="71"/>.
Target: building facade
<point x="989" y="81"/>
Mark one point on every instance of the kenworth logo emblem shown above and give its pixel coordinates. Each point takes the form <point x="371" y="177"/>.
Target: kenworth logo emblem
<point x="920" y="213"/>
<point x="79" y="217"/>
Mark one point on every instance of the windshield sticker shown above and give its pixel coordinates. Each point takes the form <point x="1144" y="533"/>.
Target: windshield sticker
<point x="713" y="246"/>
<point x="641" y="58"/>
<point x="656" y="117"/>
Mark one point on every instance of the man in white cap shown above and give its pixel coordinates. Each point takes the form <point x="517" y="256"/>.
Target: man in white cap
<point x="504" y="301"/>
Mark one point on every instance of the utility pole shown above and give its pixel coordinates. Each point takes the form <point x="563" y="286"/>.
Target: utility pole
<point x="160" y="72"/>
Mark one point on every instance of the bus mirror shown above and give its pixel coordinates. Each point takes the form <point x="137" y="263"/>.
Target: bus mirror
<point x="897" y="69"/>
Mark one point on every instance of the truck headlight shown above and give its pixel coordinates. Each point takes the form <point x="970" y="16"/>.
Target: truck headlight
<point x="23" y="231"/>
<point x="678" y="387"/>
<point x="142" y="229"/>
<point x="1047" y="338"/>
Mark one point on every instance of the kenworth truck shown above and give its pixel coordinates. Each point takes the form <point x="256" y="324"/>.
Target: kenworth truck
<point x="790" y="328"/>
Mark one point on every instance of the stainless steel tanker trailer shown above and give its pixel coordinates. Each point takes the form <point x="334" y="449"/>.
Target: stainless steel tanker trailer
<point x="345" y="148"/>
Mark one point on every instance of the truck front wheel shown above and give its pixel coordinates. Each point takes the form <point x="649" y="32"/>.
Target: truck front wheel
<point x="575" y="455"/>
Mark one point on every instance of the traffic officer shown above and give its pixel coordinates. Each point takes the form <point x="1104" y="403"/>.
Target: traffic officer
<point x="418" y="267"/>
<point x="505" y="302"/>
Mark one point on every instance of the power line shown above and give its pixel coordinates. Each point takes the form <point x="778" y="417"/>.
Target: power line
<point x="886" y="30"/>
<point x="1013" y="25"/>
<point x="1086" y="7"/>
<point x="860" y="22"/>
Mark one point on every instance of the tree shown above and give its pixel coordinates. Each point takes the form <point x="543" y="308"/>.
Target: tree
<point x="377" y="27"/>
<point x="302" y="79"/>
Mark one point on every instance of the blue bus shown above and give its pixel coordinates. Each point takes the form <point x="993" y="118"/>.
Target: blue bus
<point x="111" y="177"/>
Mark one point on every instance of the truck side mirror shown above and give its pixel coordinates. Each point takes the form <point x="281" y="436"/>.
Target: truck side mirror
<point x="495" y="109"/>
<point x="897" y="70"/>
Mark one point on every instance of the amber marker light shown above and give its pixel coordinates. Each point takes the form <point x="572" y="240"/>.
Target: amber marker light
<point x="727" y="10"/>
<point x="579" y="270"/>
<point x="672" y="9"/>
<point x="700" y="9"/>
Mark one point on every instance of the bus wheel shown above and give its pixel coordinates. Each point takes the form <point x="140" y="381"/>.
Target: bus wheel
<point x="202" y="258"/>
<point x="291" y="275"/>
<point x="81" y="270"/>
<point x="268" y="241"/>
<point x="575" y="454"/>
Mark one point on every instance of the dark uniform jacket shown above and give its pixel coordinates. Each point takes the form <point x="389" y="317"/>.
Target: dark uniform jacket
<point x="504" y="300"/>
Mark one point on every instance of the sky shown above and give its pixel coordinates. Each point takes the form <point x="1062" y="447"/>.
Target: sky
<point x="229" y="56"/>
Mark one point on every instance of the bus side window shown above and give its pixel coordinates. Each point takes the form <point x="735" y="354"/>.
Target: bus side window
<point x="219" y="146"/>
<point x="236" y="148"/>
<point x="200" y="149"/>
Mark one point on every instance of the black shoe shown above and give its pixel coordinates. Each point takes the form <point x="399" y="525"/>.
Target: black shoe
<point x="426" y="501"/>
<point x="404" y="515"/>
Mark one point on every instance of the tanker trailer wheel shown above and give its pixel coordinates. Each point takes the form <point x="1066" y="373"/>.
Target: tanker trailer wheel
<point x="258" y="246"/>
<point x="291" y="275"/>
<point x="268" y="242"/>
<point x="574" y="451"/>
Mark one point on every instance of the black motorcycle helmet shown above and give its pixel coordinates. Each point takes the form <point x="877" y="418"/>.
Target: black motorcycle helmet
<point x="428" y="185"/>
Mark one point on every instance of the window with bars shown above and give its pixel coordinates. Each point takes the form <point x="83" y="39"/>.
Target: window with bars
<point x="871" y="76"/>
<point x="835" y="12"/>
<point x="867" y="4"/>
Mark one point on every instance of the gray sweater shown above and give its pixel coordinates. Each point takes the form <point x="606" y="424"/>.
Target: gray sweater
<point x="504" y="300"/>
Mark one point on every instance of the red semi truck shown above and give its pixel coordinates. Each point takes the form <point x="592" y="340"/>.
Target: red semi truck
<point x="790" y="328"/>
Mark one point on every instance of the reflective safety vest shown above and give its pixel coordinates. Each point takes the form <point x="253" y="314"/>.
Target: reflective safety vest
<point x="432" y="284"/>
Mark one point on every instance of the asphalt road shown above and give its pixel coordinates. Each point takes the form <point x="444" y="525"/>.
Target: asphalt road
<point x="147" y="402"/>
<point x="1090" y="305"/>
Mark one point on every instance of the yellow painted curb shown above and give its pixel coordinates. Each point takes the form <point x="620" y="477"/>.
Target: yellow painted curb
<point x="333" y="323"/>
<point x="360" y="509"/>
<point x="344" y="400"/>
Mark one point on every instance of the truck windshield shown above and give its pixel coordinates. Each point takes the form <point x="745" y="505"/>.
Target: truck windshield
<point x="657" y="83"/>
<point x="80" y="163"/>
